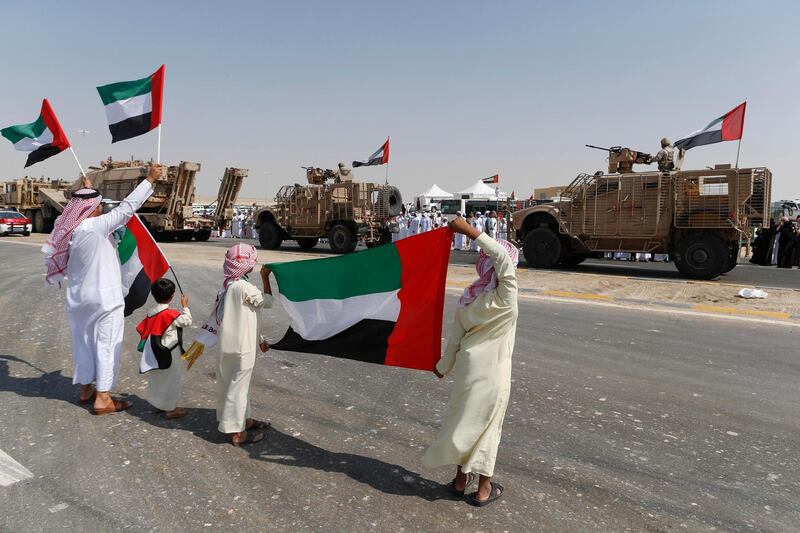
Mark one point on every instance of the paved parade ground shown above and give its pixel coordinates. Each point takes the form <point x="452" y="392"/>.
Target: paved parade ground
<point x="619" y="419"/>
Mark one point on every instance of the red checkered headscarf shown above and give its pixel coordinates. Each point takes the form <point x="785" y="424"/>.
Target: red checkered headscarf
<point x="487" y="277"/>
<point x="239" y="260"/>
<point x="56" y="249"/>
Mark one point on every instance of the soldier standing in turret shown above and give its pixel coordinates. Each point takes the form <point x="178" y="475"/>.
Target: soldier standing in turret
<point x="665" y="157"/>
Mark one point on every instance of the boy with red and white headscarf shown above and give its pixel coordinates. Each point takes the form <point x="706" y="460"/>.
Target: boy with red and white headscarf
<point x="237" y="316"/>
<point x="81" y="249"/>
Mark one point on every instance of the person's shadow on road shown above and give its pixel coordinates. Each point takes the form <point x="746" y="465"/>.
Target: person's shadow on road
<point x="281" y="448"/>
<point x="49" y="385"/>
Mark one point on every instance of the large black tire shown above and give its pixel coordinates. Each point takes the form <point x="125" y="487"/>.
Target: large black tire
<point x="164" y="236"/>
<point x="307" y="243"/>
<point x="574" y="260"/>
<point x="270" y="236"/>
<point x="202" y="235"/>
<point x="733" y="260"/>
<point x="342" y="240"/>
<point x="702" y="256"/>
<point x="393" y="201"/>
<point x="184" y="236"/>
<point x="542" y="248"/>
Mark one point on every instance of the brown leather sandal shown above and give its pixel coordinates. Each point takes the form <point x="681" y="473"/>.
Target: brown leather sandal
<point x="119" y="405"/>
<point x="84" y="401"/>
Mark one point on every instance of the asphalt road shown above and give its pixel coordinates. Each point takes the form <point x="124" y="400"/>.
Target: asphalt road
<point x="619" y="419"/>
<point x="744" y="274"/>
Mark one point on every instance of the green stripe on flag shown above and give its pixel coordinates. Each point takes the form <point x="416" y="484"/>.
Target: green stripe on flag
<point x="123" y="90"/>
<point x="127" y="246"/>
<point x="24" y="131"/>
<point x="367" y="272"/>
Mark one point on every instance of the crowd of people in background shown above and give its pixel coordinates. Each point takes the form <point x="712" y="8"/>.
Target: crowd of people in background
<point x="778" y="244"/>
<point x="241" y="226"/>
<point x="489" y="222"/>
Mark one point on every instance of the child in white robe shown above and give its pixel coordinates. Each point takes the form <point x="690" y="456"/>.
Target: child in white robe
<point x="161" y="345"/>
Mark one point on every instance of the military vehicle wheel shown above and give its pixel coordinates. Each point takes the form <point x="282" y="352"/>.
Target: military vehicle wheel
<point x="574" y="260"/>
<point x="202" y="235"/>
<point x="307" y="243"/>
<point x="164" y="236"/>
<point x="184" y="236"/>
<point x="701" y="256"/>
<point x="342" y="240"/>
<point x="38" y="221"/>
<point x="269" y="236"/>
<point x="732" y="262"/>
<point x="542" y="248"/>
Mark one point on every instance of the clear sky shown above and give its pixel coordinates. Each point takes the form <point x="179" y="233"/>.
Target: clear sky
<point x="465" y="89"/>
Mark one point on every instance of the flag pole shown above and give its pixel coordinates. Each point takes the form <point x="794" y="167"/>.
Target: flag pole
<point x="158" y="149"/>
<point x="174" y="275"/>
<point x="737" y="152"/>
<point x="76" y="160"/>
<point x="387" y="173"/>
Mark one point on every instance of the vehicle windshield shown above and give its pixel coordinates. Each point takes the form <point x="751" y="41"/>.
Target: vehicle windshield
<point x="10" y="214"/>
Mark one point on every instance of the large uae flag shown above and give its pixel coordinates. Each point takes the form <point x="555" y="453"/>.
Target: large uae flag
<point x="141" y="263"/>
<point x="133" y="107"/>
<point x="728" y="127"/>
<point x="43" y="137"/>
<point x="380" y="157"/>
<point x="382" y="305"/>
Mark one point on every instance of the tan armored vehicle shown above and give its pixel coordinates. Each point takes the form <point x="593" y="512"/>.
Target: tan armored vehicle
<point x="40" y="200"/>
<point x="168" y="212"/>
<point x="699" y="217"/>
<point x="331" y="206"/>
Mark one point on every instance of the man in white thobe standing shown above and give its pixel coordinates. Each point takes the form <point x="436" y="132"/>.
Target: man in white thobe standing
<point x="458" y="240"/>
<point x="425" y="224"/>
<point x="413" y="225"/>
<point x="82" y="249"/>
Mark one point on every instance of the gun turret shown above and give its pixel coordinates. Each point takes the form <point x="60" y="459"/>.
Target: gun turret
<point x="621" y="159"/>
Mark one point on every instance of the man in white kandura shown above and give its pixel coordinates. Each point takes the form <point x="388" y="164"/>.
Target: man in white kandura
<point x="458" y="239"/>
<point x="81" y="249"/>
<point x="413" y="224"/>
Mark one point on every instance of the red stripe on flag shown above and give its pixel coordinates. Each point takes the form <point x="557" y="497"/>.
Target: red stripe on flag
<point x="733" y="123"/>
<point x="157" y="93"/>
<point x="60" y="140"/>
<point x="154" y="263"/>
<point x="416" y="341"/>
<point x="385" y="152"/>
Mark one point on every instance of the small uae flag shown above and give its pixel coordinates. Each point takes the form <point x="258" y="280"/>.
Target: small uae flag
<point x="141" y="263"/>
<point x="380" y="157"/>
<point x="382" y="305"/>
<point x="492" y="179"/>
<point x="728" y="127"/>
<point x="133" y="107"/>
<point x="43" y="138"/>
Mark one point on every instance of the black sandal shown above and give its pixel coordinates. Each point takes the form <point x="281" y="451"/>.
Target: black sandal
<point x="258" y="424"/>
<point x="250" y="438"/>
<point x="460" y="493"/>
<point x="495" y="494"/>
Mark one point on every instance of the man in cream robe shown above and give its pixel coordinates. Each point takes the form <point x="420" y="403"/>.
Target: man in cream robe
<point x="479" y="352"/>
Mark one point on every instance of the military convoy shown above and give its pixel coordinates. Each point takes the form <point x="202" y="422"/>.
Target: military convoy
<point x="699" y="217"/>
<point x="331" y="206"/>
<point x="168" y="212"/>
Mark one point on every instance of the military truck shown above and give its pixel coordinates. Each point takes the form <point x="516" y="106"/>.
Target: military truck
<point x="40" y="200"/>
<point x="331" y="206"/>
<point x="699" y="217"/>
<point x="168" y="212"/>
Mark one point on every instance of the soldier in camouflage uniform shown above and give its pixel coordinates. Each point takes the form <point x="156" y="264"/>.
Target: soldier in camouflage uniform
<point x="665" y="157"/>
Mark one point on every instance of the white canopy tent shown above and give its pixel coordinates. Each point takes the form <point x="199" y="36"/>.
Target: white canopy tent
<point x="481" y="190"/>
<point x="436" y="193"/>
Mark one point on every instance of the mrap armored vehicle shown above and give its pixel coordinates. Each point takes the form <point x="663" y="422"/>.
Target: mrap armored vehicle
<point x="40" y="200"/>
<point x="698" y="217"/>
<point x="168" y="213"/>
<point x="331" y="206"/>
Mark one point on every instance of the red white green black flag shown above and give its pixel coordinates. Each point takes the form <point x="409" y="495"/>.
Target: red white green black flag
<point x="43" y="137"/>
<point x="133" y="107"/>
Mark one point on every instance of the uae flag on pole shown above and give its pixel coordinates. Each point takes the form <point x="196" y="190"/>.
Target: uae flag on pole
<point x="43" y="137"/>
<point x="492" y="179"/>
<point x="380" y="157"/>
<point x="728" y="127"/>
<point x="382" y="305"/>
<point x="141" y="263"/>
<point x="133" y="107"/>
